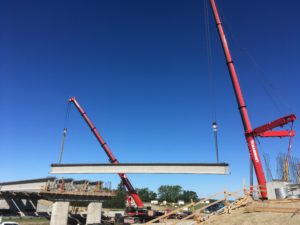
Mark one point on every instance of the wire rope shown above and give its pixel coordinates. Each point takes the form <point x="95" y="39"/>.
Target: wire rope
<point x="265" y="83"/>
<point x="67" y="116"/>
<point x="210" y="61"/>
<point x="211" y="76"/>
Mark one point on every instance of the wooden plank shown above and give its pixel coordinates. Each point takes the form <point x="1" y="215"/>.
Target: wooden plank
<point x="180" y="209"/>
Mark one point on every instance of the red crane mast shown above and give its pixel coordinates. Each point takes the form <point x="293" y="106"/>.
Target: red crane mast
<point x="252" y="146"/>
<point x="262" y="131"/>
<point x="109" y="153"/>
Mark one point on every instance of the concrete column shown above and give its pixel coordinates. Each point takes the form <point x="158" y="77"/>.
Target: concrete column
<point x="59" y="215"/>
<point x="94" y="213"/>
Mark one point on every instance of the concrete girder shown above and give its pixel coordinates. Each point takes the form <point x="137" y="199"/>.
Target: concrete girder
<point x="151" y="168"/>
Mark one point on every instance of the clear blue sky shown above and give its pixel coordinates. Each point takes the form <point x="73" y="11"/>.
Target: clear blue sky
<point x="139" y="68"/>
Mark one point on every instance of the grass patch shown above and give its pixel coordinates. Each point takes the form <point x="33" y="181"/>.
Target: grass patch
<point x="24" y="219"/>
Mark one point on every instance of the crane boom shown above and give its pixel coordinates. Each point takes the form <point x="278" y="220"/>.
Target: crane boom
<point x="252" y="146"/>
<point x="108" y="152"/>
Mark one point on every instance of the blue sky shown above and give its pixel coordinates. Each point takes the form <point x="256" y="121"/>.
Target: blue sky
<point x="139" y="68"/>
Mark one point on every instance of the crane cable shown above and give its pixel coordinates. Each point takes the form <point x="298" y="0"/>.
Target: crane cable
<point x="288" y="157"/>
<point x="277" y="100"/>
<point x="211" y="77"/>
<point x="64" y="132"/>
<point x="290" y="142"/>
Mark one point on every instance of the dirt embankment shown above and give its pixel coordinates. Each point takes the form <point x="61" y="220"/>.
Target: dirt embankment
<point x="241" y="217"/>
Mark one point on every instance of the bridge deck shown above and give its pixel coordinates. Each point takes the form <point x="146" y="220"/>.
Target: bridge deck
<point x="54" y="189"/>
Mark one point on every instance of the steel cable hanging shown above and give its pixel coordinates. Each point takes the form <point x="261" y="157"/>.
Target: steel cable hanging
<point x="209" y="60"/>
<point x="288" y="158"/>
<point x="266" y="158"/>
<point x="267" y="86"/>
<point x="67" y="116"/>
<point x="211" y="77"/>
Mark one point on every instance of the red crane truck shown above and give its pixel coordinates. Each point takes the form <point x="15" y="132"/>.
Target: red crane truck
<point x="132" y="214"/>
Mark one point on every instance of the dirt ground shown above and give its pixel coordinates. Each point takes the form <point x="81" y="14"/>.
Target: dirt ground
<point x="26" y="222"/>
<point x="240" y="217"/>
<point x="34" y="223"/>
<point x="236" y="217"/>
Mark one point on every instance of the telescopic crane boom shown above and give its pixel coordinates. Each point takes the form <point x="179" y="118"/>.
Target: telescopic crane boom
<point x="109" y="153"/>
<point x="250" y="134"/>
<point x="254" y="155"/>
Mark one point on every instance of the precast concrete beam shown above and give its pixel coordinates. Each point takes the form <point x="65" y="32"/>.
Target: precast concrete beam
<point x="33" y="185"/>
<point x="151" y="168"/>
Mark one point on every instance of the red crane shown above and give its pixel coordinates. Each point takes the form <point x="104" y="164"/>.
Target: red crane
<point x="250" y="134"/>
<point x="109" y="153"/>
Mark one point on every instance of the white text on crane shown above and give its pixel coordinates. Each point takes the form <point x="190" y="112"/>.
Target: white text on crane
<point x="254" y="150"/>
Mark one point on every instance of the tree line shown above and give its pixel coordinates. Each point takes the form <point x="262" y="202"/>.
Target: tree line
<point x="169" y="193"/>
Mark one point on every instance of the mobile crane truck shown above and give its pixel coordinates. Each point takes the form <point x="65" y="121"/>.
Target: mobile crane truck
<point x="138" y="214"/>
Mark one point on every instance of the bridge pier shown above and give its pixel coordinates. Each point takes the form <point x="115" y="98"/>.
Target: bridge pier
<point x="94" y="213"/>
<point x="60" y="212"/>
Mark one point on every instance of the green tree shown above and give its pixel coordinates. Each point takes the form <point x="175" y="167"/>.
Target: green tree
<point x="187" y="196"/>
<point x="146" y="195"/>
<point x="169" y="193"/>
